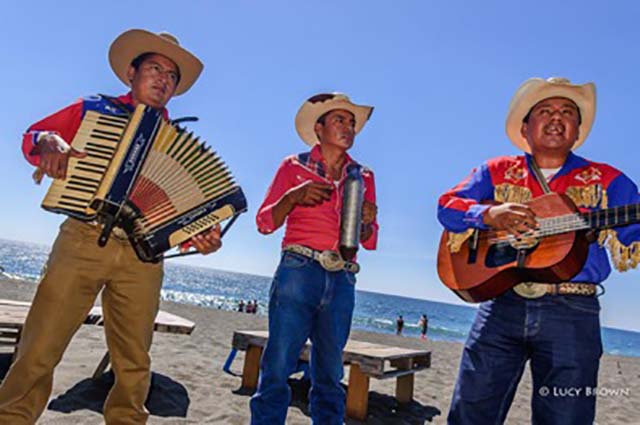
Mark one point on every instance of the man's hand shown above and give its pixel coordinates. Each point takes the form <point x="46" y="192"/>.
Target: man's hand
<point x="514" y="218"/>
<point x="54" y="155"/>
<point x="205" y="242"/>
<point x="309" y="193"/>
<point x="369" y="212"/>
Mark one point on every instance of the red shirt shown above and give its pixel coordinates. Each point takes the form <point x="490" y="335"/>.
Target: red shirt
<point x="316" y="227"/>
<point x="66" y="122"/>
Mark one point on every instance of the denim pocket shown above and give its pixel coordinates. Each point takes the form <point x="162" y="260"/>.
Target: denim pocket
<point x="583" y="304"/>
<point x="292" y="260"/>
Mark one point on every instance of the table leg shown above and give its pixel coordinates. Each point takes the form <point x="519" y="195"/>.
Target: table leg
<point x="251" y="368"/>
<point x="357" y="393"/>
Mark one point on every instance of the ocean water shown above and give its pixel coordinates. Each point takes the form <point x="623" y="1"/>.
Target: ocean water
<point x="373" y="312"/>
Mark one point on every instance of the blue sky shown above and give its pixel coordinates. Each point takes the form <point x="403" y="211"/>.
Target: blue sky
<point x="440" y="75"/>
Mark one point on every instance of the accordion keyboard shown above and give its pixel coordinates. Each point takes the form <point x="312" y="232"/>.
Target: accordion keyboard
<point x="98" y="136"/>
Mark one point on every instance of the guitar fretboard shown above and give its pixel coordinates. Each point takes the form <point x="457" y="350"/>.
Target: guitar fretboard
<point x="613" y="217"/>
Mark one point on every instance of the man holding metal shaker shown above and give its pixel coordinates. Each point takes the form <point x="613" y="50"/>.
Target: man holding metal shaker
<point x="328" y="201"/>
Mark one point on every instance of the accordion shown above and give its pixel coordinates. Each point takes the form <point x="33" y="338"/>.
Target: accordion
<point x="152" y="178"/>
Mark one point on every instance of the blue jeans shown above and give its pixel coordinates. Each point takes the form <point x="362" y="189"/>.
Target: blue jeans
<point x="558" y="334"/>
<point x="306" y="301"/>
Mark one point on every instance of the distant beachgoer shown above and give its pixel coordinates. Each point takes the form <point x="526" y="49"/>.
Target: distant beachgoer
<point x="156" y="68"/>
<point x="423" y="323"/>
<point x="241" y="306"/>
<point x="255" y="307"/>
<point x="399" y="325"/>
<point x="314" y="293"/>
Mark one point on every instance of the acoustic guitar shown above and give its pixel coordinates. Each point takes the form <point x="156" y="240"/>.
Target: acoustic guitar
<point x="491" y="262"/>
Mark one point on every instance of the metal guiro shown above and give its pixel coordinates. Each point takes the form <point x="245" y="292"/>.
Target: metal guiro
<point x="351" y="217"/>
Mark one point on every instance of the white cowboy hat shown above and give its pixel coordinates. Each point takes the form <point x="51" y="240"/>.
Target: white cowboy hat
<point x="318" y="105"/>
<point x="133" y="43"/>
<point x="535" y="90"/>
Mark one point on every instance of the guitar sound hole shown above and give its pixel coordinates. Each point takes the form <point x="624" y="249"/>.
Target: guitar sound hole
<point x="501" y="254"/>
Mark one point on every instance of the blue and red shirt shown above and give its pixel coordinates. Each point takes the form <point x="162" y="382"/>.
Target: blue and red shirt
<point x="590" y="185"/>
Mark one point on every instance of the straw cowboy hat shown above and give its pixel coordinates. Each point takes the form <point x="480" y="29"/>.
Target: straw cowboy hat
<point x="535" y="90"/>
<point x="132" y="43"/>
<point x="320" y="104"/>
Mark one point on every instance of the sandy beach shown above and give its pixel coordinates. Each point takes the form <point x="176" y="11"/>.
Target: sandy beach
<point x="189" y="386"/>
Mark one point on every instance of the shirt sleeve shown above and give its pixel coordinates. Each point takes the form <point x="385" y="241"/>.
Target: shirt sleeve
<point x="279" y="187"/>
<point x="623" y="242"/>
<point x="370" y="196"/>
<point x="64" y="123"/>
<point x="459" y="208"/>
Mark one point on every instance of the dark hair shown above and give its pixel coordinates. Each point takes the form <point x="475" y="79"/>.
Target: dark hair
<point x="323" y="118"/>
<point x="138" y="60"/>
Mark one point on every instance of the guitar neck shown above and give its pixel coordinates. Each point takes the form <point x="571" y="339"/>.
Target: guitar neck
<point x="612" y="217"/>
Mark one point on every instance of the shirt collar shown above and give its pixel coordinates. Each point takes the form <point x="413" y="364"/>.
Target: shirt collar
<point x="572" y="162"/>
<point x="127" y="99"/>
<point x="316" y="155"/>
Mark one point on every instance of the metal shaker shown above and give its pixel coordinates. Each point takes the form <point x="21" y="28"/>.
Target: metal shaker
<point x="351" y="216"/>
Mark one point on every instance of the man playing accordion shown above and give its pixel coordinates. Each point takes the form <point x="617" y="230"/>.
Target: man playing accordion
<point x="156" y="68"/>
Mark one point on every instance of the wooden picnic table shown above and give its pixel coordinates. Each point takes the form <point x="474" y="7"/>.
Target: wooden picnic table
<point x="366" y="360"/>
<point x="14" y="313"/>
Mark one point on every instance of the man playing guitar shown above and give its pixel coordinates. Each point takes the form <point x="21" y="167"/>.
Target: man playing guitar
<point x="554" y="326"/>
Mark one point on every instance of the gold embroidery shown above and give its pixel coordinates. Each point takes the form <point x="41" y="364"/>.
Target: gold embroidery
<point x="515" y="172"/>
<point x="507" y="192"/>
<point x="623" y="257"/>
<point x="457" y="239"/>
<point x="589" y="175"/>
<point x="591" y="196"/>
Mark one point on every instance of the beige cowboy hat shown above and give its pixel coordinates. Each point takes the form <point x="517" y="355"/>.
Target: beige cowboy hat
<point x="318" y="105"/>
<point x="132" y="43"/>
<point x="535" y="90"/>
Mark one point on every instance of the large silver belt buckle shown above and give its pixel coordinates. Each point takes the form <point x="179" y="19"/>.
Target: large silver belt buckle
<point x="530" y="289"/>
<point x="331" y="261"/>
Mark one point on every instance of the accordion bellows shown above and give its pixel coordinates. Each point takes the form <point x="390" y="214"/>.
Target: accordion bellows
<point x="157" y="181"/>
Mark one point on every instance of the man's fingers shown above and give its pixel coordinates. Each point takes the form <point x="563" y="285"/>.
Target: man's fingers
<point x="523" y="210"/>
<point x="206" y="243"/>
<point x="314" y="198"/>
<point x="44" y="166"/>
<point x="52" y="168"/>
<point x="323" y="186"/>
<point x="62" y="169"/>
<point x="522" y="228"/>
<point x="77" y="154"/>
<point x="520" y="218"/>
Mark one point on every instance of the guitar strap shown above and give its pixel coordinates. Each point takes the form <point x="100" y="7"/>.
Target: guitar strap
<point x="522" y="253"/>
<point x="539" y="176"/>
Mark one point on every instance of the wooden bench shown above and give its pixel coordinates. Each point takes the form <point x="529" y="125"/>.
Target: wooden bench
<point x="366" y="360"/>
<point x="14" y="313"/>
